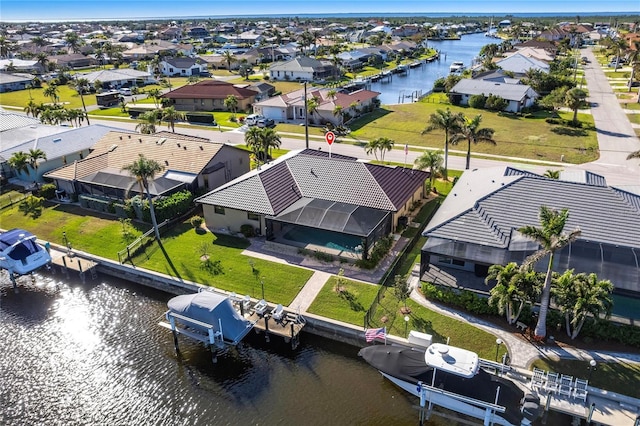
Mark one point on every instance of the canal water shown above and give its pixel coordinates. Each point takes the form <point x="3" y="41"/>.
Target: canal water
<point x="88" y="354"/>
<point x="418" y="81"/>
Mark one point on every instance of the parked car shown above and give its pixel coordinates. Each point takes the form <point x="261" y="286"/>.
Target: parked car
<point x="266" y="122"/>
<point x="253" y="119"/>
<point x="125" y="91"/>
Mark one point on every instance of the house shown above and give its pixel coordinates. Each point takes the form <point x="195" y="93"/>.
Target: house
<point x="189" y="162"/>
<point x="61" y="146"/>
<point x="305" y="196"/>
<point x="303" y="68"/>
<point x="21" y="65"/>
<point x="72" y="60"/>
<point x="477" y="225"/>
<point x="263" y="90"/>
<point x="291" y="106"/>
<point x="518" y="95"/>
<point x="171" y="33"/>
<point x="157" y="47"/>
<point x="14" y="81"/>
<point x="121" y="77"/>
<point x="182" y="66"/>
<point x="520" y="64"/>
<point x="532" y="52"/>
<point x="209" y="95"/>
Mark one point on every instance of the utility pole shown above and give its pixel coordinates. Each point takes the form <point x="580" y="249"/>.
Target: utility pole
<point x="306" y="117"/>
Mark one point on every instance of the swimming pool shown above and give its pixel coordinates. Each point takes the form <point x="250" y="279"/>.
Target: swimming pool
<point x="321" y="237"/>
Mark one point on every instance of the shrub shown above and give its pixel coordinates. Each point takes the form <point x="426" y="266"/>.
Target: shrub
<point x="47" y="191"/>
<point x="247" y="230"/>
<point x="196" y="221"/>
<point x="379" y="251"/>
<point x="496" y="103"/>
<point x="477" y="101"/>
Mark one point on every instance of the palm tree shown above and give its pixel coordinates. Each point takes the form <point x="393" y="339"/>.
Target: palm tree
<point x="472" y="133"/>
<point x="253" y="140"/>
<point x="171" y="115"/>
<point x="269" y="139"/>
<point x="552" y="238"/>
<point x="148" y="122"/>
<point x="33" y="109"/>
<point x="575" y="99"/>
<point x="449" y="122"/>
<point x="513" y="287"/>
<point x="580" y="296"/>
<point x="52" y="92"/>
<point x="155" y="94"/>
<point x="431" y="160"/>
<point x="231" y="103"/>
<point x="35" y="155"/>
<point x="384" y="145"/>
<point x="19" y="161"/>
<point x="633" y="155"/>
<point x="144" y="170"/>
<point x="552" y="174"/>
<point x="43" y="60"/>
<point x="228" y="58"/>
<point x="82" y="85"/>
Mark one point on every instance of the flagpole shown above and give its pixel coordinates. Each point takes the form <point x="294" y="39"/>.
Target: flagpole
<point x="385" y="336"/>
<point x="406" y="151"/>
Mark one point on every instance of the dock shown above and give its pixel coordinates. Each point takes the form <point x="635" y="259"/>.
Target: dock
<point x="68" y="261"/>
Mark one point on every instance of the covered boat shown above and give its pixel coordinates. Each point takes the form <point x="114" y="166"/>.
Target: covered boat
<point x="20" y="253"/>
<point x="449" y="377"/>
<point x="209" y="315"/>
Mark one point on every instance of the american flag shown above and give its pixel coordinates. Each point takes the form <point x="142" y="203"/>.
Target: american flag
<point x="375" y="333"/>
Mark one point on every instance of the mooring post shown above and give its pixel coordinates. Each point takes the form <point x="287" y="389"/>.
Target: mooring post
<point x="266" y="328"/>
<point x="13" y="281"/>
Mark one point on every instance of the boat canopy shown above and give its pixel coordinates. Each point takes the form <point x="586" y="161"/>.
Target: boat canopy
<point x="20" y="253"/>
<point x="214" y="309"/>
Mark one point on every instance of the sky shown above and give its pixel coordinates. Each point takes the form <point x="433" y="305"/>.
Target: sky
<point x="61" y="10"/>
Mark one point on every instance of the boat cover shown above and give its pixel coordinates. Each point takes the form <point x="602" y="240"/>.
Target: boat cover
<point x="408" y="364"/>
<point x="28" y="246"/>
<point x="19" y="252"/>
<point x="213" y="309"/>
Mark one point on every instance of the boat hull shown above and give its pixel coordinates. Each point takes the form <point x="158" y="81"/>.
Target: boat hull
<point x="20" y="253"/>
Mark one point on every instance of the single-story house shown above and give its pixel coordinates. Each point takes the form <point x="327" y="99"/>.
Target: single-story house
<point x="477" y="225"/>
<point x="291" y="106"/>
<point x="121" y="77"/>
<point x="520" y="64"/>
<point x="189" y="162"/>
<point x="209" y="95"/>
<point x="72" y="60"/>
<point x="62" y="147"/>
<point x="21" y="65"/>
<point x="532" y="52"/>
<point x="303" y="68"/>
<point x="182" y="66"/>
<point x="518" y="95"/>
<point x="308" y="199"/>
<point x="14" y="81"/>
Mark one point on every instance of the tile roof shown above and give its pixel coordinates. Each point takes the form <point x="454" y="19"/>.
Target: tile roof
<point x="604" y="214"/>
<point x="312" y="174"/>
<point x="209" y="89"/>
<point x="118" y="149"/>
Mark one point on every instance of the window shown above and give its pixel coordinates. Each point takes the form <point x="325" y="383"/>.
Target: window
<point x="451" y="261"/>
<point x="253" y="216"/>
<point x="218" y="209"/>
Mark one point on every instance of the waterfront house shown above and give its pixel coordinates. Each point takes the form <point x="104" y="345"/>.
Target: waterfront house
<point x="306" y="193"/>
<point x="209" y="95"/>
<point x="189" y="162"/>
<point x="520" y="64"/>
<point x="477" y="225"/>
<point x="290" y="107"/>
<point x="303" y="68"/>
<point x="518" y="95"/>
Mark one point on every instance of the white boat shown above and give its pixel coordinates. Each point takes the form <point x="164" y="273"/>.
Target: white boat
<point x="457" y="67"/>
<point x="452" y="378"/>
<point x="20" y="253"/>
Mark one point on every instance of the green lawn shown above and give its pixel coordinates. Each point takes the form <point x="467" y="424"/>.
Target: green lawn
<point x="182" y="259"/>
<point x="349" y="306"/>
<point x="94" y="233"/>
<point x="68" y="97"/>
<point x="516" y="136"/>
<point x="634" y="118"/>
<point x="619" y="377"/>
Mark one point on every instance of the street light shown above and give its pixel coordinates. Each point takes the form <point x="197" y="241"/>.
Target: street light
<point x="592" y="367"/>
<point x="406" y="325"/>
<point x="498" y="343"/>
<point x="306" y="118"/>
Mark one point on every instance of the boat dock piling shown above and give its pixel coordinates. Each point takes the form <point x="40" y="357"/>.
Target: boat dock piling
<point x="69" y="261"/>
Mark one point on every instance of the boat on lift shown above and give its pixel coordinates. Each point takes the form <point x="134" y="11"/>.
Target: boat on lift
<point x="452" y="378"/>
<point x="457" y="67"/>
<point x="20" y="254"/>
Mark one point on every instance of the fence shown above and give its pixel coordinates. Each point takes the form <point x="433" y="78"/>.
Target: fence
<point x="139" y="246"/>
<point x="389" y="277"/>
<point x="8" y="200"/>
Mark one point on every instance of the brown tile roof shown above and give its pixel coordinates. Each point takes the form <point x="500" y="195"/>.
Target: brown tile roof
<point x="118" y="149"/>
<point x="171" y="135"/>
<point x="209" y="89"/>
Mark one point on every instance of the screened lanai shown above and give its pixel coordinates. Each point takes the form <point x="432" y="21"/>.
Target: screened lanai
<point x="116" y="183"/>
<point x="329" y="226"/>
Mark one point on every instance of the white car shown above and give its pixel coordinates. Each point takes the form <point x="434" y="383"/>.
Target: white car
<point x="125" y="91"/>
<point x="253" y="119"/>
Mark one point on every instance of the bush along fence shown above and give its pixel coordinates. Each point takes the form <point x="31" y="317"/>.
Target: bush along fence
<point x="389" y="277"/>
<point x="594" y="328"/>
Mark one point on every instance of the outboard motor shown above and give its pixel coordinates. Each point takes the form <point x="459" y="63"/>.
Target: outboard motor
<point x="530" y="408"/>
